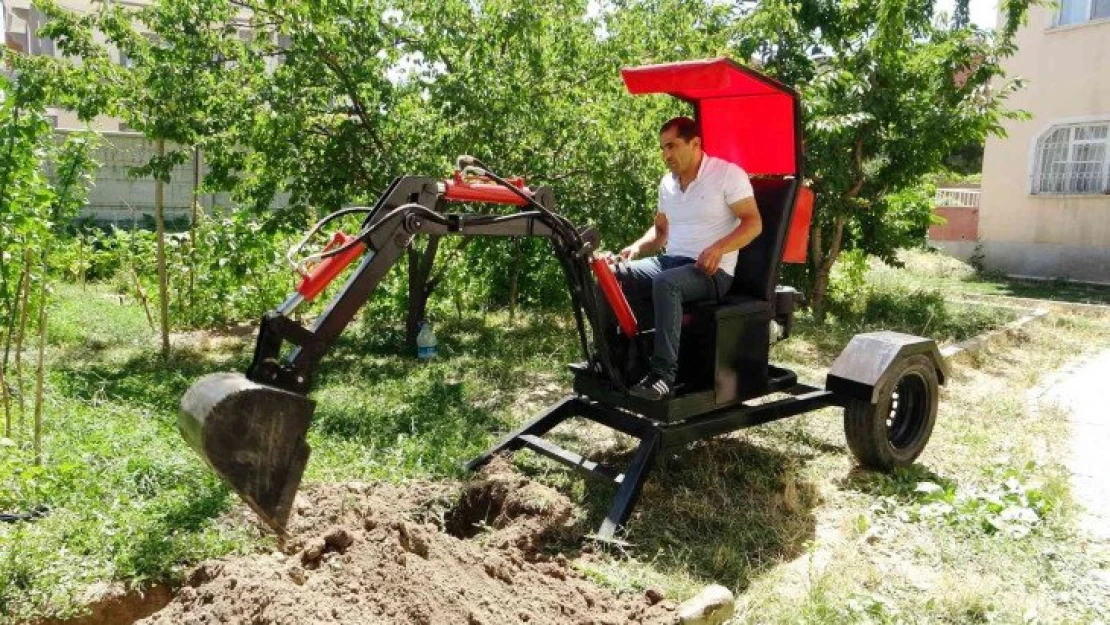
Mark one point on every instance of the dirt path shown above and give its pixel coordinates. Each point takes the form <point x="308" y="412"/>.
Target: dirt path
<point x="417" y="553"/>
<point x="1080" y="392"/>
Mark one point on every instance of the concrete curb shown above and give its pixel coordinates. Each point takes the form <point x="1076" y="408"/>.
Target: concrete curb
<point x="1048" y="304"/>
<point x="963" y="351"/>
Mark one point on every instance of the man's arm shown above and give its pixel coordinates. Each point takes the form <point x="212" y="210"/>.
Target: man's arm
<point x="750" y="226"/>
<point x="652" y="241"/>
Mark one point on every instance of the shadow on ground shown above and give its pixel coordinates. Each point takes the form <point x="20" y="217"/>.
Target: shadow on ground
<point x="922" y="313"/>
<point x="901" y="484"/>
<point x="140" y="378"/>
<point x="722" y="511"/>
<point x="1054" y="290"/>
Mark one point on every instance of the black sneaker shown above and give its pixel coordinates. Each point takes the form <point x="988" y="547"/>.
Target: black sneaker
<point x="652" y="387"/>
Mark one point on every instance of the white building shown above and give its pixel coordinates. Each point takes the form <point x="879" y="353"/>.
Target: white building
<point x="1045" y="207"/>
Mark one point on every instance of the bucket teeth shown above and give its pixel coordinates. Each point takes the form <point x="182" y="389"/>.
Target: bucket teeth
<point x="253" y="437"/>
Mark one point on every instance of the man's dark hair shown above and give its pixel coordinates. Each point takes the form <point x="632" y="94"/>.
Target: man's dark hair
<point x="685" y="127"/>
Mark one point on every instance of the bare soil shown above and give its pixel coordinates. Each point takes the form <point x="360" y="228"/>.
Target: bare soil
<point x="112" y="604"/>
<point x="414" y="553"/>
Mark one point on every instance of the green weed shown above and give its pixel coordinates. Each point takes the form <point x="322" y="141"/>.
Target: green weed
<point x="1013" y="508"/>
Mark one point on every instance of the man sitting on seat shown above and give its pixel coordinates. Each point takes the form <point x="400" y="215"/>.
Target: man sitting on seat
<point x="706" y="212"/>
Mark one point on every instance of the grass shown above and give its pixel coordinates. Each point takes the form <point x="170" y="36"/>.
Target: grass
<point x="125" y="500"/>
<point x="777" y="513"/>
<point x="934" y="270"/>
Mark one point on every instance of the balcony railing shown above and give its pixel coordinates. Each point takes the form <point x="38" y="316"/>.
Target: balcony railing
<point x="968" y="198"/>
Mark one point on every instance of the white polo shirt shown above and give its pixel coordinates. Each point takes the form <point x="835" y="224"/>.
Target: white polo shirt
<point x="700" y="216"/>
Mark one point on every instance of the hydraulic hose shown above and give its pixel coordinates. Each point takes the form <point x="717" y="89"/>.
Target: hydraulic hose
<point x="357" y="239"/>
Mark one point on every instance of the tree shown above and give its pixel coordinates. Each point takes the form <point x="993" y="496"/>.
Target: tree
<point x="33" y="209"/>
<point x="181" y="87"/>
<point x="889" y="90"/>
<point x="368" y="91"/>
<point x="365" y="93"/>
<point x="536" y="90"/>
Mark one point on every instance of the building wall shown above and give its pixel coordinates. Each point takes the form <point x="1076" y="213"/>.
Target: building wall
<point x="21" y="21"/>
<point x="1050" y="236"/>
<point x="961" y="223"/>
<point x="118" y="198"/>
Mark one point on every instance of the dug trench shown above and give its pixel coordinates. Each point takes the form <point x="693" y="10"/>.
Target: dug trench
<point x="413" y="553"/>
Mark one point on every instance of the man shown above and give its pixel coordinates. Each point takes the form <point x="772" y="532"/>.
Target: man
<point x="706" y="213"/>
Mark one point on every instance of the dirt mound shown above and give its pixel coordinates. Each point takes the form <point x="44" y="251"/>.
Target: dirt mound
<point x="421" y="553"/>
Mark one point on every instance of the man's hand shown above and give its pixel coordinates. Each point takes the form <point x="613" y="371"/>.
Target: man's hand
<point x="710" y="259"/>
<point x="630" y="252"/>
<point x="607" y="256"/>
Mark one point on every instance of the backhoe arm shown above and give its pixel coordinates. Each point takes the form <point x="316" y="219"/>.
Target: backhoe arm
<point x="407" y="209"/>
<point x="251" y="429"/>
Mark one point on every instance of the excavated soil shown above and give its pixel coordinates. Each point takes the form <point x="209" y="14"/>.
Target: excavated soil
<point x="417" y="553"/>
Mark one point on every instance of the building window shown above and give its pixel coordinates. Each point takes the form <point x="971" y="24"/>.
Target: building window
<point x="1079" y="11"/>
<point x="1073" y="159"/>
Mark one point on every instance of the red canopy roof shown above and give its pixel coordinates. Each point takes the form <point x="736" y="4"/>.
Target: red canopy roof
<point x="746" y="118"/>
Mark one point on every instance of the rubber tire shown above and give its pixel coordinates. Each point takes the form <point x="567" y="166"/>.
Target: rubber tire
<point x="865" y="423"/>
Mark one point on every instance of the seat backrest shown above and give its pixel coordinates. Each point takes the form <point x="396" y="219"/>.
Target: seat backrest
<point x="757" y="265"/>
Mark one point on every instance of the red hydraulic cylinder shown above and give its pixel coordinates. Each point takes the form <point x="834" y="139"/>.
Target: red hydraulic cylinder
<point x="329" y="268"/>
<point x="460" y="190"/>
<point x="615" y="296"/>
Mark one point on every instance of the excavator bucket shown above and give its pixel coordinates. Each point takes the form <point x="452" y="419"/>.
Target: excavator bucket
<point x="253" y="436"/>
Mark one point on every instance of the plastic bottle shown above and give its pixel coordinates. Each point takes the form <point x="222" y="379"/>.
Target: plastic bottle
<point x="426" y="342"/>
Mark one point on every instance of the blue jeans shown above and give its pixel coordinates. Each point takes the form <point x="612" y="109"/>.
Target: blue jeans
<point x="656" y="288"/>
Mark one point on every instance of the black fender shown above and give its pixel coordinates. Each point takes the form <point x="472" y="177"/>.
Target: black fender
<point x="864" y="365"/>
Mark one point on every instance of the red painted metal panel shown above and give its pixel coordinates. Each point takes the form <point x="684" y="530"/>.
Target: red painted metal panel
<point x="481" y="192"/>
<point x="460" y="189"/>
<point x="756" y="133"/>
<point x="747" y="118"/>
<point x="797" y="237"/>
<point x="698" y="80"/>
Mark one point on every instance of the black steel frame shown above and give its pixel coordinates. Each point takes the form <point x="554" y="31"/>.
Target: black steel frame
<point x="655" y="438"/>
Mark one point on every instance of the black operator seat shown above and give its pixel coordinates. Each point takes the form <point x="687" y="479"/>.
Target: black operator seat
<point x="726" y="345"/>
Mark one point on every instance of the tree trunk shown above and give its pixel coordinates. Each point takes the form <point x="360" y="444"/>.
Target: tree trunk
<point x="160" y="225"/>
<point x="24" y="297"/>
<point x="820" y="290"/>
<point x="420" y="287"/>
<point x="7" y="404"/>
<point x="141" y="296"/>
<point x="12" y="306"/>
<point x="824" y="263"/>
<point x="81" y="270"/>
<point x="514" y="278"/>
<point x="17" y="312"/>
<point x="193" y="223"/>
<point x="39" y="373"/>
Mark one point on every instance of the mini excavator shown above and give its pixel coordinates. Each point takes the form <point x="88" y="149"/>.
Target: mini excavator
<point x="251" y="428"/>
